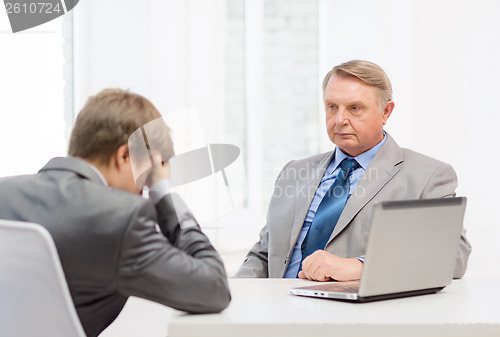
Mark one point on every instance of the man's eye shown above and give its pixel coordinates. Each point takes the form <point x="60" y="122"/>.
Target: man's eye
<point x="355" y="108"/>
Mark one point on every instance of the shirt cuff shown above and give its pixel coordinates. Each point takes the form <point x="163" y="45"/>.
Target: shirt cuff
<point x="361" y="258"/>
<point x="158" y="190"/>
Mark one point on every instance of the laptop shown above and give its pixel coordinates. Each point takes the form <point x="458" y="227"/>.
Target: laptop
<point x="411" y="250"/>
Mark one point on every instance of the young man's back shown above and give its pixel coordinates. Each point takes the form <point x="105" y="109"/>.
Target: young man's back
<point x="109" y="242"/>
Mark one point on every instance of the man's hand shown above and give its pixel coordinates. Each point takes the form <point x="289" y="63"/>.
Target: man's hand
<point x="324" y="266"/>
<point x="159" y="171"/>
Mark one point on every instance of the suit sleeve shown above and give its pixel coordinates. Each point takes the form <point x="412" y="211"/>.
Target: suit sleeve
<point x="442" y="184"/>
<point x="178" y="267"/>
<point x="256" y="261"/>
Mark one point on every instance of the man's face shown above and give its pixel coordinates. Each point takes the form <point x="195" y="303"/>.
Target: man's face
<point x="354" y="116"/>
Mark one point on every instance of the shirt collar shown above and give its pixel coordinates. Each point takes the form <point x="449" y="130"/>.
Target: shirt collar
<point x="363" y="159"/>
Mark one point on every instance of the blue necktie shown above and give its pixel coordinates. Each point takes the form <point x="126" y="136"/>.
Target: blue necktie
<point x="329" y="210"/>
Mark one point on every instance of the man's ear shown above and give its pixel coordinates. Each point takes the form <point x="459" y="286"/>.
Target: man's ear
<point x="121" y="157"/>
<point x="389" y="106"/>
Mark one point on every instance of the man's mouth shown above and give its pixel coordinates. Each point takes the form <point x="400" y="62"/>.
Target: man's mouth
<point x="343" y="134"/>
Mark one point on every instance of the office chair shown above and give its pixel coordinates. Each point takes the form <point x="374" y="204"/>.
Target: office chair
<point x="34" y="295"/>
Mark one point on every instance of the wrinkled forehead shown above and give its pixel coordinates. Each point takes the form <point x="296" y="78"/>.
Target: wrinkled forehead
<point x="342" y="88"/>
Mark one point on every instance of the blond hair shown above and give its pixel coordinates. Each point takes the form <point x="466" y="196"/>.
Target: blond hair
<point x="106" y="122"/>
<point x="367" y="72"/>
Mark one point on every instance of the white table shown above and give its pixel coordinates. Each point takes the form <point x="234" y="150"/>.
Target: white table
<point x="264" y="307"/>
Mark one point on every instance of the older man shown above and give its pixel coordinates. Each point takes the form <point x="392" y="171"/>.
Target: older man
<point x="317" y="227"/>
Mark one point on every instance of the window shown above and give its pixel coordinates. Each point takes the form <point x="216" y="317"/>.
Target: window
<point x="32" y="104"/>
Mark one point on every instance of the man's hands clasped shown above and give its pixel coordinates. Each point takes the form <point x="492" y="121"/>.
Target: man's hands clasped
<point x="324" y="266"/>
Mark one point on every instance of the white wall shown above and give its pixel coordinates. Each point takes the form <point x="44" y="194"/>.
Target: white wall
<point x="148" y="47"/>
<point x="31" y="97"/>
<point x="442" y="58"/>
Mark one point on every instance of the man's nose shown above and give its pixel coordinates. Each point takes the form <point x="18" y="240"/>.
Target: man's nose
<point x="341" y="116"/>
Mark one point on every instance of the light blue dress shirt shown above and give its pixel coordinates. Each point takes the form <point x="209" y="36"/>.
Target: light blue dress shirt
<point x="327" y="181"/>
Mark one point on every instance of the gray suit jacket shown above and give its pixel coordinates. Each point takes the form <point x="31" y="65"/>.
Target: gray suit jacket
<point x="393" y="174"/>
<point x="109" y="244"/>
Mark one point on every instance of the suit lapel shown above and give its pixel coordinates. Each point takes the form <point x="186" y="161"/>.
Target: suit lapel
<point x="306" y="189"/>
<point x="383" y="167"/>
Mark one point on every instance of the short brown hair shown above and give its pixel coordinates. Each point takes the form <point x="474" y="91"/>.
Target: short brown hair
<point x="366" y="71"/>
<point x="106" y="122"/>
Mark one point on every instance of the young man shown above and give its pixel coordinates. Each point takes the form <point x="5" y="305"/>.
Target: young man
<point x="105" y="231"/>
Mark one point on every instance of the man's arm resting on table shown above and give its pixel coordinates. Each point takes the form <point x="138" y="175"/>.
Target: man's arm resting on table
<point x="180" y="268"/>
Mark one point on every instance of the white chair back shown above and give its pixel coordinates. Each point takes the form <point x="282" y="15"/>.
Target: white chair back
<point x="34" y="295"/>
